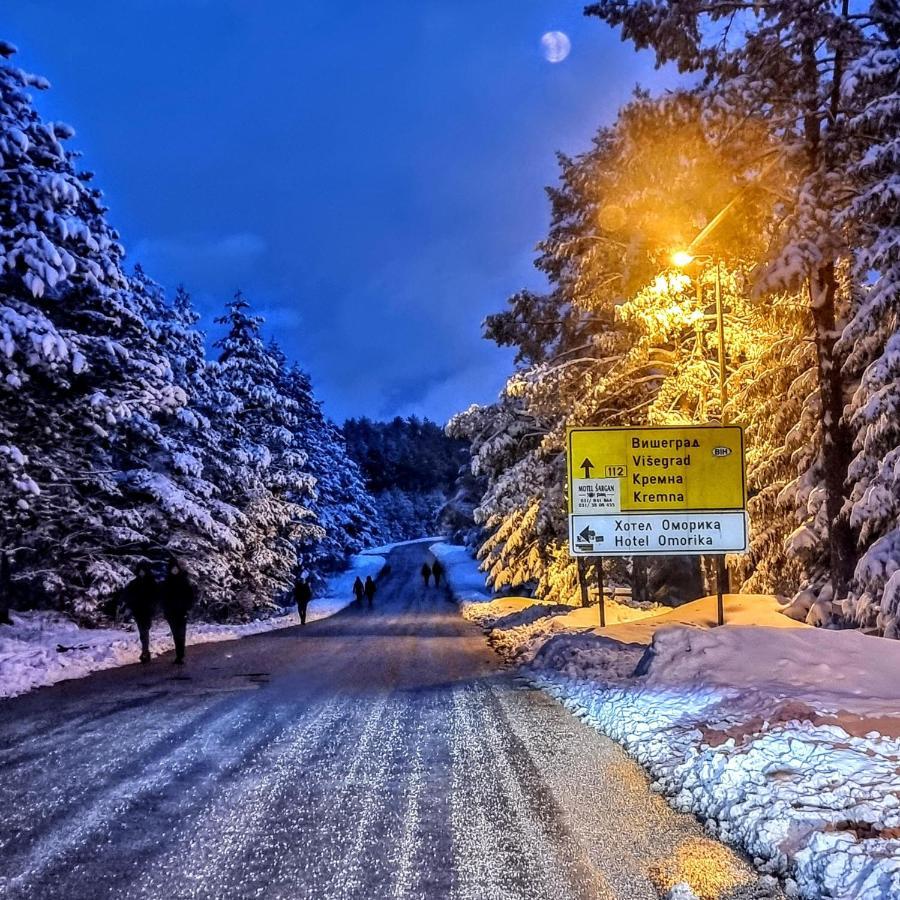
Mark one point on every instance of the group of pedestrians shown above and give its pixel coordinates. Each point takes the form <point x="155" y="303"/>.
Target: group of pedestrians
<point x="143" y="595"/>
<point x="175" y="594"/>
<point x="366" y="590"/>
<point x="436" y="569"/>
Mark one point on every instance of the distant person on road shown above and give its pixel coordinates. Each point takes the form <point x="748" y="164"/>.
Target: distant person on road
<point x="140" y="596"/>
<point x="426" y="573"/>
<point x="178" y="598"/>
<point x="370" y="590"/>
<point x="438" y="571"/>
<point x="358" y="590"/>
<point x="302" y="596"/>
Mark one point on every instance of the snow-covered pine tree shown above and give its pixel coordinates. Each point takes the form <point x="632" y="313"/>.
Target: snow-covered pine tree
<point x="259" y="430"/>
<point x="343" y="507"/>
<point x="783" y="62"/>
<point x="622" y="338"/>
<point x="870" y="343"/>
<point x="179" y="492"/>
<point x="83" y="389"/>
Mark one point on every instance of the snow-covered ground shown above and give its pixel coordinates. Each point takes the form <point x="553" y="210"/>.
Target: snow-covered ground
<point x="384" y="549"/>
<point x="44" y="648"/>
<point x="783" y="739"/>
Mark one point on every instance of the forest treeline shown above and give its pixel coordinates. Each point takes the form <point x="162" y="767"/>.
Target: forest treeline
<point x="411" y="467"/>
<point x="121" y="440"/>
<point x="780" y="172"/>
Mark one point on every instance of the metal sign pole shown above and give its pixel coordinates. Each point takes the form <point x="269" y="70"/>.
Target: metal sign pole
<point x="601" y="600"/>
<point x="721" y="576"/>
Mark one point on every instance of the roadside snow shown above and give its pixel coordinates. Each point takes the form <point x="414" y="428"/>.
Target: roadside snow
<point x="44" y="648"/>
<point x="783" y="739"/>
<point x="462" y="572"/>
<point x="384" y="549"/>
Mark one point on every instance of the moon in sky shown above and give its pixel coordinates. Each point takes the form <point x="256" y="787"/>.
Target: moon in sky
<point x="556" y="46"/>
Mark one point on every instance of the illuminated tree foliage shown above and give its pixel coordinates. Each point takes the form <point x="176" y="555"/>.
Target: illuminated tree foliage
<point x="820" y="75"/>
<point x="792" y="133"/>
<point x="624" y="338"/>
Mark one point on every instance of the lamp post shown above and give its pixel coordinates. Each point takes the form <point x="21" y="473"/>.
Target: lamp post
<point x="682" y="259"/>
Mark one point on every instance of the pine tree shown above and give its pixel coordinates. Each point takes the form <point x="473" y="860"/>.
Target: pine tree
<point x="182" y="495"/>
<point x="622" y="339"/>
<point x="787" y="69"/>
<point x="273" y="489"/>
<point x="870" y="343"/>
<point x="84" y="390"/>
<point x="342" y="504"/>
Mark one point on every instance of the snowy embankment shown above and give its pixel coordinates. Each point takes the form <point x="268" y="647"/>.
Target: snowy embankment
<point x="783" y="739"/>
<point x="384" y="549"/>
<point x="43" y="648"/>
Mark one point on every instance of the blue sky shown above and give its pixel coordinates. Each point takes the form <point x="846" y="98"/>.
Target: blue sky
<point x="370" y="174"/>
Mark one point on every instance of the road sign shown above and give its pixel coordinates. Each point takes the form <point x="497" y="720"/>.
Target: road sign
<point x="656" y="491"/>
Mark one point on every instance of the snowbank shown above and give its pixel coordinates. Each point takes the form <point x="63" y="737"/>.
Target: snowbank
<point x="783" y="739"/>
<point x="384" y="549"/>
<point x="462" y="572"/>
<point x="43" y="648"/>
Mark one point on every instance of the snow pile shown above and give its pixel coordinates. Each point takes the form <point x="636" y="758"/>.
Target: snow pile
<point x="511" y="612"/>
<point x="44" y="648"/>
<point x="462" y="572"/>
<point x="783" y="739"/>
<point x="384" y="549"/>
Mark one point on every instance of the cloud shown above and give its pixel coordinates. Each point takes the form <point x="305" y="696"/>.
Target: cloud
<point x="218" y="262"/>
<point x="475" y="383"/>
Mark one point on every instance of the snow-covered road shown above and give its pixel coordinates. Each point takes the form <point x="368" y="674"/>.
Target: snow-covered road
<point x="375" y="754"/>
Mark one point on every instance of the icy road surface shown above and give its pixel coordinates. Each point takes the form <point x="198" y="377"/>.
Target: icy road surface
<point x="375" y="754"/>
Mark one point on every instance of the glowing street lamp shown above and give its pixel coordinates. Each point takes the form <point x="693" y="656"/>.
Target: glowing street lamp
<point x="682" y="259"/>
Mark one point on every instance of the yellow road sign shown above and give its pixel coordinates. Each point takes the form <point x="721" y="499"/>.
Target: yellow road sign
<point x="649" y="491"/>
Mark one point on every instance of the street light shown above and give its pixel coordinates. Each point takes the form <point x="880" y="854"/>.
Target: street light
<point x="682" y="259"/>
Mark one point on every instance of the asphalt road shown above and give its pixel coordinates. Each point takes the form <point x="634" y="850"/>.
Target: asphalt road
<point x="380" y="753"/>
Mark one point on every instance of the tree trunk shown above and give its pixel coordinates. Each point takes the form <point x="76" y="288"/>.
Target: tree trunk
<point x="582" y="582"/>
<point x="640" y="579"/>
<point x="836" y="443"/>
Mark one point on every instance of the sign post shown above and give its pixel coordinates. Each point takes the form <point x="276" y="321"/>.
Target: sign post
<point x="600" y="598"/>
<point x="657" y="491"/>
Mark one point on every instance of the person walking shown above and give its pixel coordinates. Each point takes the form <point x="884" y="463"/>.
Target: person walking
<point x="358" y="590"/>
<point x="140" y="597"/>
<point x="437" y="569"/>
<point x="178" y="598"/>
<point x="370" y="590"/>
<point x="426" y="573"/>
<point x="302" y="596"/>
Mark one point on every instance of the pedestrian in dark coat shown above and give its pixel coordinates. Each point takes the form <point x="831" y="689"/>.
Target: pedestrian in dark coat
<point x="178" y="598"/>
<point x="438" y="571"/>
<point x="370" y="589"/>
<point x="140" y="596"/>
<point x="302" y="596"/>
<point x="426" y="573"/>
<point x="358" y="590"/>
